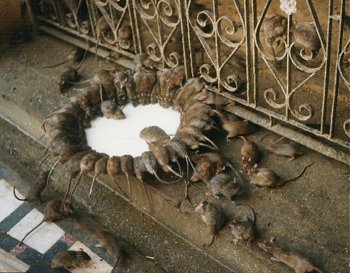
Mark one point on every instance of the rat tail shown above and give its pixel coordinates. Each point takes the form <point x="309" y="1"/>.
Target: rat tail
<point x="14" y="193"/>
<point x="211" y="242"/>
<point x="29" y="232"/>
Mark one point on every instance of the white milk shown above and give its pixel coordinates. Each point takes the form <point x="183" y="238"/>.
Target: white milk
<point x="120" y="137"/>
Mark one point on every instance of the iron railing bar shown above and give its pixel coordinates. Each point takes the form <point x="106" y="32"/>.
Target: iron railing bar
<point x="336" y="74"/>
<point x="91" y="39"/>
<point x="254" y="52"/>
<point x="289" y="72"/>
<point x="248" y="48"/>
<point x="327" y="67"/>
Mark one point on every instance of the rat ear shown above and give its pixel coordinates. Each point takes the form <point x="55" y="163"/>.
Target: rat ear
<point x="273" y="240"/>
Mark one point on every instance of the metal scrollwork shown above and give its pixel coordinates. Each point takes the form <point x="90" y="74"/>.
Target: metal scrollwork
<point x="343" y="64"/>
<point x="223" y="32"/>
<point x="162" y="20"/>
<point x="346" y="127"/>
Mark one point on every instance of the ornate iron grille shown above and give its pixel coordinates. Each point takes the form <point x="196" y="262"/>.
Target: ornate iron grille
<point x="298" y="90"/>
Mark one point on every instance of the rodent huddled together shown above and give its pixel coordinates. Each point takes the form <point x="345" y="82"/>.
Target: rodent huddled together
<point x="201" y="111"/>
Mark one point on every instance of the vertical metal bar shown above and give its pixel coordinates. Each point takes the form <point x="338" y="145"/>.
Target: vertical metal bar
<point x="217" y="47"/>
<point x="92" y="16"/>
<point x="288" y="87"/>
<point x="133" y="25"/>
<point x="336" y="75"/>
<point x="188" y="3"/>
<point x="137" y="28"/>
<point x="182" y="15"/>
<point x="327" y="64"/>
<point x="248" y="48"/>
<point x="254" y="52"/>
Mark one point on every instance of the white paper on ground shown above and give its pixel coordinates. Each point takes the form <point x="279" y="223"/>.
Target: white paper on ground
<point x="121" y="137"/>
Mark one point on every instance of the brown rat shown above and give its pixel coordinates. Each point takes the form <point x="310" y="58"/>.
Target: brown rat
<point x="100" y="168"/>
<point x="249" y="152"/>
<point x="224" y="184"/>
<point x="144" y="82"/>
<point x="113" y="169"/>
<point x="153" y="134"/>
<point x="110" y="109"/>
<point x="265" y="177"/>
<point x="52" y="213"/>
<point x="126" y="83"/>
<point x="213" y="216"/>
<point x="87" y="164"/>
<point x="234" y="128"/>
<point x="67" y="151"/>
<point x="197" y="134"/>
<point x="124" y="36"/>
<point x="142" y="62"/>
<point x="70" y="259"/>
<point x="127" y="167"/>
<point x="151" y="165"/>
<point x="293" y="259"/>
<point x="34" y="194"/>
<point x="306" y="38"/>
<point x="191" y="87"/>
<point x="108" y="241"/>
<point x="161" y="154"/>
<point x="76" y="55"/>
<point x="139" y="170"/>
<point x="69" y="75"/>
<point x="243" y="229"/>
<point x="275" y="30"/>
<point x="284" y="149"/>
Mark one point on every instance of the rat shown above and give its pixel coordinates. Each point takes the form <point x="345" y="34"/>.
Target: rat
<point x="110" y="109"/>
<point x="68" y="77"/>
<point x="243" y="229"/>
<point x="234" y="128"/>
<point x="197" y="134"/>
<point x="151" y="165"/>
<point x="191" y="87"/>
<point x="124" y="36"/>
<point x="306" y="38"/>
<point x="113" y="169"/>
<point x="153" y="134"/>
<point x="34" y="194"/>
<point x="264" y="177"/>
<point x="213" y="216"/>
<point x="70" y="259"/>
<point x="139" y="170"/>
<point x="127" y="167"/>
<point x="293" y="259"/>
<point x="67" y="151"/>
<point x="126" y="82"/>
<point x="87" y="164"/>
<point x="144" y="82"/>
<point x="160" y="152"/>
<point x="224" y="184"/>
<point x="76" y="55"/>
<point x="284" y="149"/>
<point x="249" y="152"/>
<point x="100" y="168"/>
<point x="108" y="241"/>
<point x="52" y="213"/>
<point x="275" y="30"/>
<point x="142" y="62"/>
